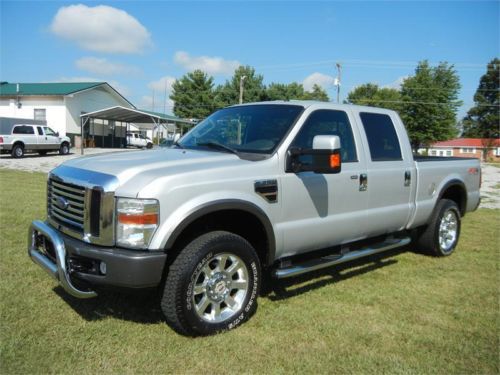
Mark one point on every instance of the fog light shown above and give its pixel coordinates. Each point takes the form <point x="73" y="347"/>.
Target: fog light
<point x="102" y="268"/>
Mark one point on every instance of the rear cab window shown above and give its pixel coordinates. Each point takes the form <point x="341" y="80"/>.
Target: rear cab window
<point x="382" y="138"/>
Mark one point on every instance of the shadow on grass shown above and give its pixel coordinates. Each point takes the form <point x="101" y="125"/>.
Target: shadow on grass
<point x="139" y="307"/>
<point x="287" y="288"/>
<point x="144" y="307"/>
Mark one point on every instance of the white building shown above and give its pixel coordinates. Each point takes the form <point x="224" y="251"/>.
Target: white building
<point x="60" y="104"/>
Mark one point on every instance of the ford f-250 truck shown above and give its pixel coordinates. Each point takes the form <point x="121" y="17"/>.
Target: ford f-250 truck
<point x="16" y="139"/>
<point x="277" y="187"/>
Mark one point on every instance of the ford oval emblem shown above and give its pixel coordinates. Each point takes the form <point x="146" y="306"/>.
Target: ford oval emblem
<point x="62" y="203"/>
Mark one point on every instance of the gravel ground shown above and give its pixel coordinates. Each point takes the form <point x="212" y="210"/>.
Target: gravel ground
<point x="490" y="188"/>
<point x="37" y="163"/>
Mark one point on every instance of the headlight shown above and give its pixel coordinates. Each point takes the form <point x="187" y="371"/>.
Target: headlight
<point x="136" y="222"/>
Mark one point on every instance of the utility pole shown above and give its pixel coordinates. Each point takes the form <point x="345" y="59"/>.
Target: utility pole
<point x="338" y="82"/>
<point x="242" y="78"/>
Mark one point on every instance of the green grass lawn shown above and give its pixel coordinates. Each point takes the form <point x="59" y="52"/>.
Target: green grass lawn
<point x="400" y="313"/>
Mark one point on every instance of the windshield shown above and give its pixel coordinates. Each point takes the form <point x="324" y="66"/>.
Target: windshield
<point x="252" y="128"/>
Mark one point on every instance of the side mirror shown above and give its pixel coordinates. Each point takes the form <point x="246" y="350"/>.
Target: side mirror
<point x="324" y="157"/>
<point x="57" y="134"/>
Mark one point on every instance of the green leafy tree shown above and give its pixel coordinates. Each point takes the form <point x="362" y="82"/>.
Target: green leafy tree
<point x="482" y="120"/>
<point x="372" y="95"/>
<point x="295" y="91"/>
<point x="317" y="93"/>
<point x="193" y="95"/>
<point x="253" y="89"/>
<point x="282" y="91"/>
<point x="430" y="103"/>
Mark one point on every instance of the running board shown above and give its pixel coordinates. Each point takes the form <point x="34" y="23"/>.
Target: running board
<point x="330" y="260"/>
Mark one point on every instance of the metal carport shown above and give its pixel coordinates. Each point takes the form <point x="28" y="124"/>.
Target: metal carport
<point x="140" y="118"/>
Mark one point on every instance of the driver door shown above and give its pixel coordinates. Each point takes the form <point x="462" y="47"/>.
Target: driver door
<point x="323" y="210"/>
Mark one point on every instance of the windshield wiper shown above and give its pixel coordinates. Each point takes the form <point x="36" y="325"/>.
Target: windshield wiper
<point x="218" y="146"/>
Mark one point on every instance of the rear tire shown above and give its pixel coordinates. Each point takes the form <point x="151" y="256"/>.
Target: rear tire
<point x="17" y="151"/>
<point x="212" y="285"/>
<point x="441" y="236"/>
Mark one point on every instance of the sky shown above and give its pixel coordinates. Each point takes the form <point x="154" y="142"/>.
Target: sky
<point x="141" y="47"/>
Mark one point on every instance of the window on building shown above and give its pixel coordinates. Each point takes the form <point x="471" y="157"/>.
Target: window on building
<point x="448" y="153"/>
<point x="433" y="152"/>
<point x="40" y="114"/>
<point x="382" y="138"/>
<point x="467" y="150"/>
<point x="23" y="129"/>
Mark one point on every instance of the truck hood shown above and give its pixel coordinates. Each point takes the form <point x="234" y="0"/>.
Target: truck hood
<point x="146" y="165"/>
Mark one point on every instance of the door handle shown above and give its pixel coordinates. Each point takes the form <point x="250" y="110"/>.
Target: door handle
<point x="363" y="182"/>
<point x="407" y="178"/>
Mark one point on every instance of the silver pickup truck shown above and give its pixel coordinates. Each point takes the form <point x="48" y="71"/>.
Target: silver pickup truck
<point x="273" y="188"/>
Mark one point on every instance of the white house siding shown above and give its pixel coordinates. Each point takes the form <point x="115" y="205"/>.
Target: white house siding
<point x="89" y="101"/>
<point x="55" y="111"/>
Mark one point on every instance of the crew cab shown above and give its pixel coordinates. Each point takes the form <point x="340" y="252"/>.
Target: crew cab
<point x="275" y="188"/>
<point x="139" y="140"/>
<point x="17" y="139"/>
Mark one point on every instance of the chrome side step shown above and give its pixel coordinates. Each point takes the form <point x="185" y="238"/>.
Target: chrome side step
<point x="330" y="260"/>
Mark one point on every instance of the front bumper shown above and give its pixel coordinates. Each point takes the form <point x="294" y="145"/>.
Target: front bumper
<point x="76" y="265"/>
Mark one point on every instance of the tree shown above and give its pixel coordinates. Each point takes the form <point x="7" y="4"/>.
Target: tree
<point x="193" y="95"/>
<point x="371" y="94"/>
<point x="430" y="103"/>
<point x="294" y="90"/>
<point x="229" y="93"/>
<point x="283" y="91"/>
<point x="482" y="120"/>
<point x="317" y="93"/>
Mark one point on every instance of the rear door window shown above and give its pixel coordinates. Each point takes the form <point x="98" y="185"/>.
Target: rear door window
<point x="39" y="130"/>
<point x="23" y="129"/>
<point x="382" y="138"/>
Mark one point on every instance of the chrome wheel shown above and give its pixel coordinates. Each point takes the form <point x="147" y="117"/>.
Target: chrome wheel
<point x="448" y="230"/>
<point x="220" y="288"/>
<point x="18" y="151"/>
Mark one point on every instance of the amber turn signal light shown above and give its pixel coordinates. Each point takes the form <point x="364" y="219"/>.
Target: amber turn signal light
<point x="334" y="160"/>
<point x="143" y="219"/>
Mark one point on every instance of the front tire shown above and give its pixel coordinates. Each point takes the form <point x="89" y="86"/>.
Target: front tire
<point x="212" y="285"/>
<point x="441" y="236"/>
<point x="64" y="149"/>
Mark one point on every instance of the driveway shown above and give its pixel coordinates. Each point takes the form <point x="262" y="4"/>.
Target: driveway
<point x="37" y="163"/>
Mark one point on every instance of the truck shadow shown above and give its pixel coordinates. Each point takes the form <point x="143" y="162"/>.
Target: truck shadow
<point x="287" y="288"/>
<point x="144" y="306"/>
<point x="139" y="307"/>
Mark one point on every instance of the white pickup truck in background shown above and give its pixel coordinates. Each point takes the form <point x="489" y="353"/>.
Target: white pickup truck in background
<point x="17" y="139"/>
<point x="138" y="140"/>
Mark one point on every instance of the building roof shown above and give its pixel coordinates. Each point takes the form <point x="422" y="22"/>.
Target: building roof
<point x="466" y="142"/>
<point x="55" y="88"/>
<point x="124" y="114"/>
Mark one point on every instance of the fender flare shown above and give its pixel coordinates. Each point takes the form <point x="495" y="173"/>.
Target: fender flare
<point x="450" y="184"/>
<point x="227" y="204"/>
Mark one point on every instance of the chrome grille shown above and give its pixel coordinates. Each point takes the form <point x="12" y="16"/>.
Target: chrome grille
<point x="65" y="204"/>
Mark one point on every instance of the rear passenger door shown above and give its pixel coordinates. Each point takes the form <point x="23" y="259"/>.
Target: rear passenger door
<point x="389" y="172"/>
<point x="26" y="133"/>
